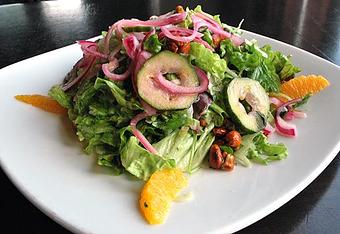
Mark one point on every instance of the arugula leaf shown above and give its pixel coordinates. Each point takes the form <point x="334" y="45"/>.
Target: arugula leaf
<point x="304" y="101"/>
<point x="152" y="44"/>
<point x="227" y="149"/>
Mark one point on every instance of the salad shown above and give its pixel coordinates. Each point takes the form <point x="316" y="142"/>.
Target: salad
<point x="167" y="91"/>
<point x="180" y="90"/>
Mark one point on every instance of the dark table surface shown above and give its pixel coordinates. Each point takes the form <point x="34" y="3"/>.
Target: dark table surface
<point x="33" y="28"/>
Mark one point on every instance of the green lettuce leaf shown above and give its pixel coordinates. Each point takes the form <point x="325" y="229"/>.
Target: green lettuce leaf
<point x="207" y="37"/>
<point x="140" y="162"/>
<point x="84" y="96"/>
<point x="123" y="98"/>
<point x="215" y="115"/>
<point x="186" y="147"/>
<point x="60" y="96"/>
<point x="265" y="65"/>
<point x="255" y="147"/>
<point x="207" y="60"/>
<point x="283" y="64"/>
<point x="112" y="161"/>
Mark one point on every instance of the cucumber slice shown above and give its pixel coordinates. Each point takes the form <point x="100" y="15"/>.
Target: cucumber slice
<point x="252" y="118"/>
<point x="166" y="62"/>
<point x="137" y="29"/>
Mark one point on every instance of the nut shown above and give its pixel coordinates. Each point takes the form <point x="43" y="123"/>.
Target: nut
<point x="233" y="139"/>
<point x="229" y="162"/>
<point x="219" y="142"/>
<point x="179" y="9"/>
<point x="185" y="48"/>
<point x="172" y="46"/>
<point x="219" y="132"/>
<point x="216" y="40"/>
<point x="215" y="157"/>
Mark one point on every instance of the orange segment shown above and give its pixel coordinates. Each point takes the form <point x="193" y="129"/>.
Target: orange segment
<point x="159" y="192"/>
<point x="43" y="102"/>
<point x="300" y="86"/>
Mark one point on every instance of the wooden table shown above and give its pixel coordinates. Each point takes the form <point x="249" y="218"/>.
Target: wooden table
<point x="34" y="28"/>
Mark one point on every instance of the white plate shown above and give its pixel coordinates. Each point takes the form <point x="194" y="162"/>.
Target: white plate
<point x="45" y="161"/>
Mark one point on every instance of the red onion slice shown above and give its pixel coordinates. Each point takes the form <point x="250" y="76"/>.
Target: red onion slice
<point x="139" y="135"/>
<point x="237" y="40"/>
<point x="192" y="34"/>
<point x="141" y="57"/>
<point x="83" y="74"/>
<point x="114" y="53"/>
<point x="177" y="89"/>
<point x="168" y="34"/>
<point x="289" y="116"/>
<point x="284" y="128"/>
<point x="170" y="19"/>
<point x="277" y="102"/>
<point x="281" y="107"/>
<point x="131" y="44"/>
<point x="143" y="140"/>
<point x="160" y="21"/>
<point x="183" y="31"/>
<point x="209" y="19"/>
<point x="139" y="35"/>
<point x="203" y="42"/>
<point x="268" y="129"/>
<point x="91" y="48"/>
<point x="299" y="114"/>
<point x="148" y="109"/>
<point x="108" y="71"/>
<point x="216" y="29"/>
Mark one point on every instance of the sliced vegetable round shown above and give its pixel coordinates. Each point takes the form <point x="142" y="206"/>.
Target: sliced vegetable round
<point x="257" y="101"/>
<point x="137" y="29"/>
<point x="151" y="92"/>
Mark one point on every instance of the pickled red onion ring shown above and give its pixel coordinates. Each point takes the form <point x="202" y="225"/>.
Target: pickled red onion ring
<point x="177" y="89"/>
<point x="284" y="128"/>
<point x="138" y="134"/>
<point x="108" y="71"/>
<point x="131" y="44"/>
<point x="90" y="48"/>
<point x="168" y="34"/>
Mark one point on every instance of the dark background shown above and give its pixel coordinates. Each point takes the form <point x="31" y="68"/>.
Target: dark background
<point x="35" y="27"/>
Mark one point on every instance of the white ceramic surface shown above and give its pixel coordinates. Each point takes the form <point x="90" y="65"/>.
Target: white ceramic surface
<point x="41" y="155"/>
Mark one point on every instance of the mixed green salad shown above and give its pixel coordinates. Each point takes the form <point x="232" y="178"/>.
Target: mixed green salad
<point x="175" y="91"/>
